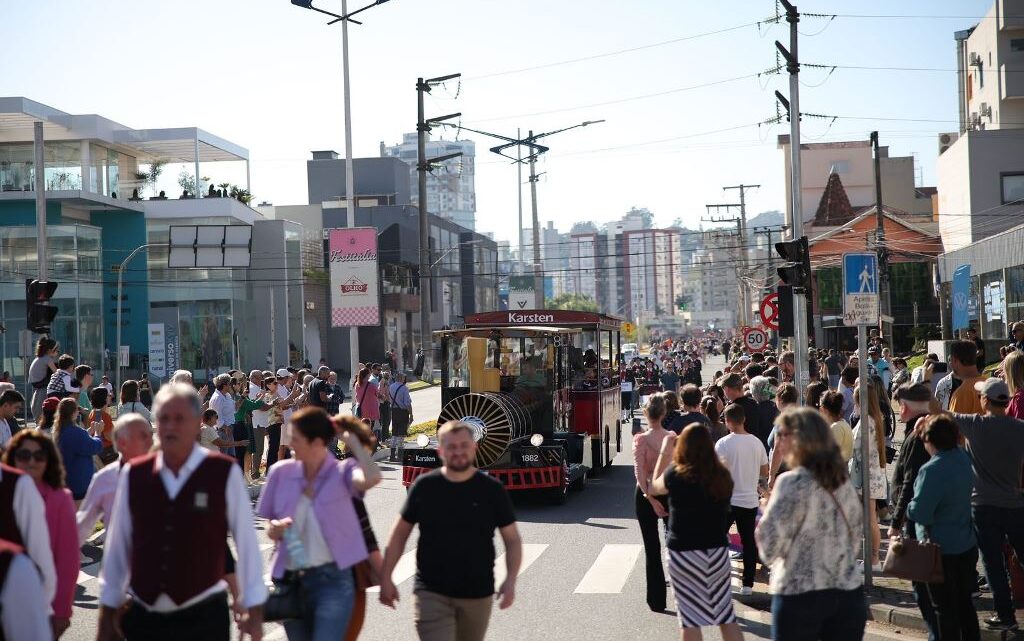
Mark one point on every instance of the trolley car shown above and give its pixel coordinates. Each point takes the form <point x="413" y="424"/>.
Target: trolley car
<point x="540" y="389"/>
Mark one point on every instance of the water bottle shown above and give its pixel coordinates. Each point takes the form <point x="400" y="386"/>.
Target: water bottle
<point x="296" y="551"/>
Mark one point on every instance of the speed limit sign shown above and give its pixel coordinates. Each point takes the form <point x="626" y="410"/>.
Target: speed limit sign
<point x="755" y="339"/>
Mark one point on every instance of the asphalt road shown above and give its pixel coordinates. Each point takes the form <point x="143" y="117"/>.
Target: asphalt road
<point x="582" y="575"/>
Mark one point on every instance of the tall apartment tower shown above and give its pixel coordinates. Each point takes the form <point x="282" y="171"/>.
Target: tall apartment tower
<point x="451" y="188"/>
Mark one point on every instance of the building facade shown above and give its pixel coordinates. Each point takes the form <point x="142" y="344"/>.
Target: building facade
<point x="101" y="205"/>
<point x="451" y="186"/>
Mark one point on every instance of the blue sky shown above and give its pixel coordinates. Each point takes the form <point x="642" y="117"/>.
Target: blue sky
<point x="267" y="75"/>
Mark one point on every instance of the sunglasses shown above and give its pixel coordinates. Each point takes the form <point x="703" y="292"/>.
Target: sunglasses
<point x="24" y="456"/>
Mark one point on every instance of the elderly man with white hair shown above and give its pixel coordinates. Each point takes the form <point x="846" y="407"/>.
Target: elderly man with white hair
<point x="132" y="437"/>
<point x="166" y="551"/>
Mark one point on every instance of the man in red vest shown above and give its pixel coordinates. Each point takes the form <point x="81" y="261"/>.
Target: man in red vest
<point x="165" y="552"/>
<point x="23" y="522"/>
<point x="24" y="611"/>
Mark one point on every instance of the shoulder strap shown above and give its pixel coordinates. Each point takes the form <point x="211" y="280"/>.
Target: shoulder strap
<point x="842" y="513"/>
<point x="362" y="396"/>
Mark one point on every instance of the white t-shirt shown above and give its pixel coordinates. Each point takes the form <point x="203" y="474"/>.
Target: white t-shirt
<point x="286" y="415"/>
<point x="744" y="455"/>
<point x="207" y="435"/>
<point x="259" y="418"/>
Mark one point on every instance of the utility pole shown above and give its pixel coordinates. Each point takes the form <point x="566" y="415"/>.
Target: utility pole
<point x="423" y="165"/>
<point x="538" y="275"/>
<point x="744" y="251"/>
<point x="795" y="216"/>
<point x="519" y="190"/>
<point x="741" y="262"/>
<point x="40" y="165"/>
<point x="880" y="247"/>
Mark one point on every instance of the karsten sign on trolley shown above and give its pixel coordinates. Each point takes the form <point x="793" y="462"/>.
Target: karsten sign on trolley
<point x="355" y="290"/>
<point x="860" y="289"/>
<point x="755" y="339"/>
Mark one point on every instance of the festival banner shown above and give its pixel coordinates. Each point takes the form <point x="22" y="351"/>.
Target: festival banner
<point x="355" y="290"/>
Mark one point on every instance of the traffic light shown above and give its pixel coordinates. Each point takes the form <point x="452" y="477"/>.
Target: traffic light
<point x="37" y="298"/>
<point x="785" y="311"/>
<point x="796" y="253"/>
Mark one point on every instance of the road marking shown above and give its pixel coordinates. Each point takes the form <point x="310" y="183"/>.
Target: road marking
<point x="404" y="569"/>
<point x="610" y="570"/>
<point x="531" y="552"/>
<point x="88" y="573"/>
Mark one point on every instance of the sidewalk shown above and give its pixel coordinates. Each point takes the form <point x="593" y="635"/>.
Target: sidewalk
<point x="890" y="601"/>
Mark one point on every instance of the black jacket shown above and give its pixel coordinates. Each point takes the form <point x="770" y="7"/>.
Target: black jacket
<point x="909" y="461"/>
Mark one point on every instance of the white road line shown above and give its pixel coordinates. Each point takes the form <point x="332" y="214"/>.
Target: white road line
<point x="88" y="573"/>
<point x="531" y="552"/>
<point x="404" y="569"/>
<point x="610" y="570"/>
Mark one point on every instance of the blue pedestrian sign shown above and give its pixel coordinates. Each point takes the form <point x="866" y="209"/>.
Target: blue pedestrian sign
<point x="860" y="289"/>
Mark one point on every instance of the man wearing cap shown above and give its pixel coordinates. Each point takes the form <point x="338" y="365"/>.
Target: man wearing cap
<point x="914" y="401"/>
<point x="995" y="443"/>
<point x="287" y="392"/>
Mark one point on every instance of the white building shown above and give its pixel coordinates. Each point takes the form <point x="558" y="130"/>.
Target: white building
<point x="451" y="189"/>
<point x="981" y="167"/>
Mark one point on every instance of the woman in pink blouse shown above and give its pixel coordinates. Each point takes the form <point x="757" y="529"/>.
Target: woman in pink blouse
<point x="1013" y="370"/>
<point x="34" y="453"/>
<point x="367" y="401"/>
<point x="650" y="510"/>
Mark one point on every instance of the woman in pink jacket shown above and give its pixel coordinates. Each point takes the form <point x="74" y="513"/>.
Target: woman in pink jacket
<point x="34" y="453"/>
<point x="367" y="402"/>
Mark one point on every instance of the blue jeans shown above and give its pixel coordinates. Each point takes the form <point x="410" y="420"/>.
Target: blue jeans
<point x="833" y="381"/>
<point x="995" y="527"/>
<point x="835" y="615"/>
<point x="329" y="597"/>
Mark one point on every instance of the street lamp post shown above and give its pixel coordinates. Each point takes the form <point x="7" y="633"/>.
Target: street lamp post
<point x="120" y="304"/>
<point x="350" y="206"/>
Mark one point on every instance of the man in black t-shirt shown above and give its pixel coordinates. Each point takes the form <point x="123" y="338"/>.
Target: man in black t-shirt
<point x="319" y="389"/>
<point x="732" y="386"/>
<point x="457" y="508"/>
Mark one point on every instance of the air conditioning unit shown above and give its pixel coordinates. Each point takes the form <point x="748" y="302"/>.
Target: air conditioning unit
<point x="986" y="110"/>
<point x="974" y="59"/>
<point x="946" y="141"/>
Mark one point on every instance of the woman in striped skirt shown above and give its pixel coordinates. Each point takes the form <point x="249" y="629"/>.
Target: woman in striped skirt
<point x="699" y="490"/>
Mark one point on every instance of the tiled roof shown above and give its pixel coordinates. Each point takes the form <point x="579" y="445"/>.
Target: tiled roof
<point x="834" y="208"/>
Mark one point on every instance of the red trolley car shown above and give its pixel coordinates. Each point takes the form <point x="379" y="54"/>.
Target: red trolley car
<point x="540" y="388"/>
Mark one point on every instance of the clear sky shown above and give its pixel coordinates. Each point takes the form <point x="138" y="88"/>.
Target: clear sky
<point x="267" y="75"/>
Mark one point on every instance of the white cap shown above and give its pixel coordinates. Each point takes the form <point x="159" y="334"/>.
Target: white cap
<point x="283" y="373"/>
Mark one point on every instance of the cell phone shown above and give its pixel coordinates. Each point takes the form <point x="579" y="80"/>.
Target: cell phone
<point x="940" y="368"/>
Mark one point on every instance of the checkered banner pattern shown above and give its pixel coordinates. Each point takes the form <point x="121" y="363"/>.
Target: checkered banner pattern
<point x="355" y="316"/>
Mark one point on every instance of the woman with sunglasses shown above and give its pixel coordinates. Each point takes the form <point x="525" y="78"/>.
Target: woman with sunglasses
<point x="34" y="453"/>
<point x="275" y="419"/>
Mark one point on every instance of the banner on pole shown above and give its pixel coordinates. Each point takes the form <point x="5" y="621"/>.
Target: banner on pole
<point x="355" y="287"/>
<point x="961" y="297"/>
<point x="157" y="350"/>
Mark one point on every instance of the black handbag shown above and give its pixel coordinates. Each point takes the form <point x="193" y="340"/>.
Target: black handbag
<point x="286" y="598"/>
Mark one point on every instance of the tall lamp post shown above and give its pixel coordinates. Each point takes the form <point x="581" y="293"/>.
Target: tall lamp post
<point x="350" y="206"/>
<point x="120" y="304"/>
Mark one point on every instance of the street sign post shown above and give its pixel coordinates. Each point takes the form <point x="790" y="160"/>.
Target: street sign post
<point x="860" y="308"/>
<point x="769" y="311"/>
<point x="860" y="289"/>
<point x="755" y="339"/>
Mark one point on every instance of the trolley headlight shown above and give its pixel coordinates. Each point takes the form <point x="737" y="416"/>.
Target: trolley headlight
<point x="423" y="440"/>
<point x="536" y="440"/>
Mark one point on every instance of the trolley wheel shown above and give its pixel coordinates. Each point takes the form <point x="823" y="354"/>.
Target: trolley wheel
<point x="556" y="495"/>
<point x="580" y="484"/>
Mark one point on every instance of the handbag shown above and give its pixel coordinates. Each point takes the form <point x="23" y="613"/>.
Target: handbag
<point x="914" y="560"/>
<point x="359" y="407"/>
<point x="286" y="598"/>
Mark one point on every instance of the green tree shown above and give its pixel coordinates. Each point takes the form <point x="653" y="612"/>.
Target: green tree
<point x="574" y="302"/>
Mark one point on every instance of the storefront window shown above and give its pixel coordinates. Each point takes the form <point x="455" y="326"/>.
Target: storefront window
<point x="993" y="307"/>
<point x="204" y="333"/>
<point x="910" y="283"/>
<point x="1014" y="294"/>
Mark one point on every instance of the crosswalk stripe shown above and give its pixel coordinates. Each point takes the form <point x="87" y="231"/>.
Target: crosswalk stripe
<point x="88" y="573"/>
<point x="531" y="552"/>
<point x="404" y="569"/>
<point x="608" y="573"/>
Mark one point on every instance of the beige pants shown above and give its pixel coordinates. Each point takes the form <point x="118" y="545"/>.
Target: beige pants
<point x="442" y="618"/>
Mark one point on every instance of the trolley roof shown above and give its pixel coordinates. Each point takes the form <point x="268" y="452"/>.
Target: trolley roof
<point x="546" y="318"/>
<point x="509" y="331"/>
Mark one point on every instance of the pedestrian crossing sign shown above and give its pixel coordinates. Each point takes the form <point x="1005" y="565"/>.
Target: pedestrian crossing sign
<point x="860" y="289"/>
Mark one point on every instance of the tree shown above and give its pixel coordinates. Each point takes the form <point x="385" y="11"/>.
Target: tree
<point x="574" y="302"/>
<point x="646" y="215"/>
<point x="585" y="227"/>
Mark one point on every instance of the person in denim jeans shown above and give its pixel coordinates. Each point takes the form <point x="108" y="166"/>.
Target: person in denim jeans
<point x="312" y="495"/>
<point x="809" y="535"/>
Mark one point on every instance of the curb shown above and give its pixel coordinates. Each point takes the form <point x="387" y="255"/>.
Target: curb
<point x="903" y="618"/>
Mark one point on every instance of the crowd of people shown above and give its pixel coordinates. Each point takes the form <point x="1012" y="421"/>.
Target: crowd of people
<point x="169" y="475"/>
<point x="741" y="450"/>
